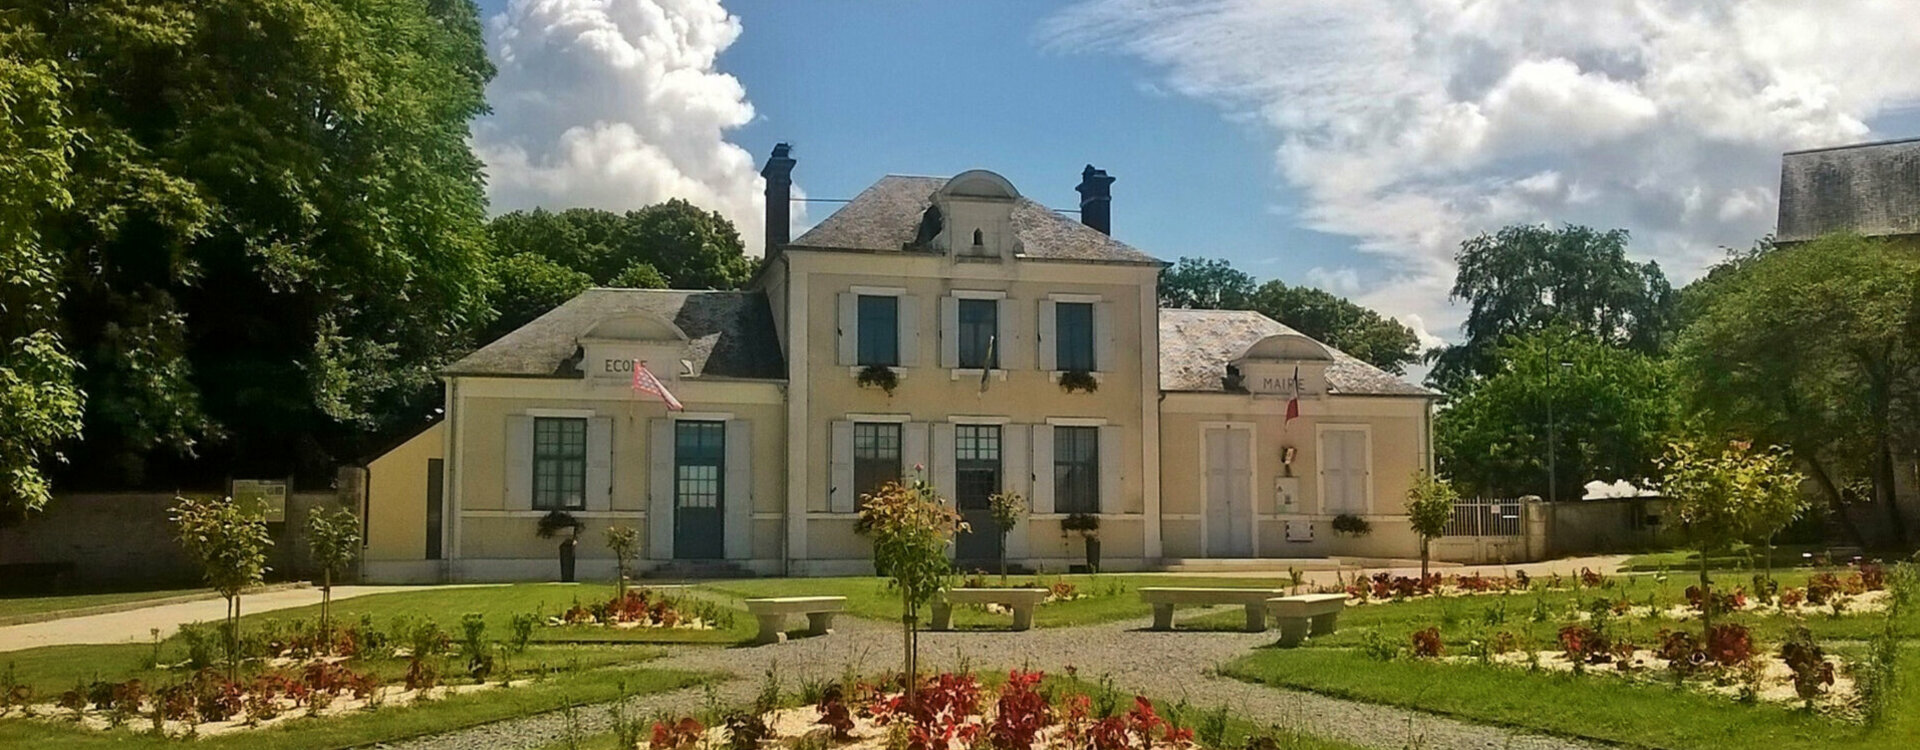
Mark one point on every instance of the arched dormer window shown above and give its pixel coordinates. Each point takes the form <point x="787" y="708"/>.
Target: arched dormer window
<point x="978" y="238"/>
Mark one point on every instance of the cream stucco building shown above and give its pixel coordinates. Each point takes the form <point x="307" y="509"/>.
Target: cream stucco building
<point x="978" y="303"/>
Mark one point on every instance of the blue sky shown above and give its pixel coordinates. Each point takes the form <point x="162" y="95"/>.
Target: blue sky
<point x="1348" y="144"/>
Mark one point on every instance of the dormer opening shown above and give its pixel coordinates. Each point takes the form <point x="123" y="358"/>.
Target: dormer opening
<point x="979" y="240"/>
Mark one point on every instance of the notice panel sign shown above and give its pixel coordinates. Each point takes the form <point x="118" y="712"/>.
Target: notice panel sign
<point x="265" y="497"/>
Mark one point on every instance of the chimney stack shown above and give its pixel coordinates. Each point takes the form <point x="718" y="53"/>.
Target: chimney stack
<point x="779" y="174"/>
<point x="1096" y="199"/>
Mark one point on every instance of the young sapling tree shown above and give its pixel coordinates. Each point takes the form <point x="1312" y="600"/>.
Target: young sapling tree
<point x="333" y="539"/>
<point x="910" y="526"/>
<point x="624" y="542"/>
<point x="1007" y="508"/>
<point x="1429" y="507"/>
<point x="1735" y="495"/>
<point x="230" y="546"/>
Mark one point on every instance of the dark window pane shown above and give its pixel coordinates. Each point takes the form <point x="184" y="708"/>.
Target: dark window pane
<point x="979" y="323"/>
<point x="1073" y="335"/>
<point x="699" y="463"/>
<point x="879" y="330"/>
<point x="559" y="463"/>
<point x="1076" y="469"/>
<point x="876" y="456"/>
<point x="976" y="452"/>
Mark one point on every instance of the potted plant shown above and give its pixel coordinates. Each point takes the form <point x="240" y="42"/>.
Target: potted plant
<point x="878" y="376"/>
<point x="1078" y="380"/>
<point x="1087" y="525"/>
<point x="1348" y="524"/>
<point x="551" y="524"/>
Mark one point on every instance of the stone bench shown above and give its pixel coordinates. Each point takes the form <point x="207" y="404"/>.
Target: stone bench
<point x="1021" y="601"/>
<point x="1164" y="597"/>
<point x="772" y="614"/>
<point x="1299" y="616"/>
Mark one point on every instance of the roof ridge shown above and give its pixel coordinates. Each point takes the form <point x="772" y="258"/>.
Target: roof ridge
<point x="1845" y="146"/>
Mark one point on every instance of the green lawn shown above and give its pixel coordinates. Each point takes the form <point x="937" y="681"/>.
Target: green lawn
<point x="446" y="605"/>
<point x="1596" y="707"/>
<point x="585" y="686"/>
<point x="1682" y="561"/>
<point x="1104" y="597"/>
<point x="1463" y="618"/>
<point x="33" y="605"/>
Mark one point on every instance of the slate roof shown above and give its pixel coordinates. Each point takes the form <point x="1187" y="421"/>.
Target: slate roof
<point x="730" y="334"/>
<point x="1871" y="189"/>
<point x="1196" y="345"/>
<point x="894" y="214"/>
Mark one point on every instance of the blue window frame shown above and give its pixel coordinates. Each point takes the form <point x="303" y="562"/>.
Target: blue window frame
<point x="1073" y="336"/>
<point x="979" y="323"/>
<point x="879" y="325"/>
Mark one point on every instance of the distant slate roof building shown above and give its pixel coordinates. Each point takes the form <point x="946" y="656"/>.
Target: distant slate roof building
<point x="1872" y="189"/>
<point x="728" y="335"/>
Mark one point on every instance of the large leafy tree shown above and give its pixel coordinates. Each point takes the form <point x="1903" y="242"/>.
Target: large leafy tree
<point x="1610" y="411"/>
<point x="40" y="403"/>
<point x="1527" y="277"/>
<point x="1216" y="284"/>
<point x="674" y="243"/>
<point x="275" y="226"/>
<point x="1813" y="346"/>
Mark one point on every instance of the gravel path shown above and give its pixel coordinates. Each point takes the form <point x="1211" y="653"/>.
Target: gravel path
<point x="1163" y="665"/>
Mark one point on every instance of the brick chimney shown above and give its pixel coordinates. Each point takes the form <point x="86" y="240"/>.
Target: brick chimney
<point x="1096" y="199"/>
<point x="779" y="174"/>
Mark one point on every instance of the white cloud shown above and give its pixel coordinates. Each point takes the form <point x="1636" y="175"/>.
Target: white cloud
<point x="1341" y="281"/>
<point x="618" y="104"/>
<point x="1410" y="125"/>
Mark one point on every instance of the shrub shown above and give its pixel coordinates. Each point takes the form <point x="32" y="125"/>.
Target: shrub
<point x="1729" y="644"/>
<point x="1349" y="524"/>
<point x="1376" y="646"/>
<point x="1427" y="644"/>
<point x="682" y="735"/>
<point x="523" y="624"/>
<point x="1585" y="645"/>
<point x="1812" y="673"/>
<point x="1022" y="713"/>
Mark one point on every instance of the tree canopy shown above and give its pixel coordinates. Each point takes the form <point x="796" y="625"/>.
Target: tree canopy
<point x="1527" y="277"/>
<point x="40" y="402"/>
<point x="269" y="223"/>
<point x="1367" y="335"/>
<point x="1813" y="346"/>
<point x="1612" y="410"/>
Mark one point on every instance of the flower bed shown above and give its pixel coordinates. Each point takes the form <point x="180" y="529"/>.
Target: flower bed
<point x="948" y="711"/>
<point x="646" y="608"/>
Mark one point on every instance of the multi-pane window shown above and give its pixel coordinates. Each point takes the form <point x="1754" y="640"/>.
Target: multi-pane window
<point x="699" y="462"/>
<point x="1076" y="469"/>
<point x="879" y="326"/>
<point x="979" y="323"/>
<point x="1073" y="336"/>
<point x="976" y="453"/>
<point x="559" y="463"/>
<point x="876" y="456"/>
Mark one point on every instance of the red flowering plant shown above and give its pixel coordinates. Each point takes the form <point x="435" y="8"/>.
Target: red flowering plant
<point x="682" y="735"/>
<point x="1021" y="712"/>
<point x="1585" y="645"/>
<point x="1873" y="576"/>
<point x="1427" y="644"/>
<point x="834" y="712"/>
<point x="1729" y="644"/>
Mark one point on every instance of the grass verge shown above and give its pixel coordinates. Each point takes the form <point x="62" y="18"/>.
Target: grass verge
<point x="1103" y="598"/>
<point x="1595" y="707"/>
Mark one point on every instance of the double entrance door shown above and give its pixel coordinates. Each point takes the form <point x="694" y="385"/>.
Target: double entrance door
<point x="977" y="468"/>
<point x="1229" y="491"/>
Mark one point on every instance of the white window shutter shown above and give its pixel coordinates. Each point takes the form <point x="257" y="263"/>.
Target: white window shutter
<point x="1046" y="323"/>
<point x="1007" y="345"/>
<point x="660" y="488"/>
<point x="943" y="458"/>
<point x="909" y="318"/>
<point x="913" y="451"/>
<point x="949" y="332"/>
<point x="849" y="328"/>
<point x="599" y="463"/>
<point x="519" y="463"/>
<point x="1103" y="337"/>
<point x="738" y="512"/>
<point x="841" y="497"/>
<point x="1042" y="469"/>
<point x="1017" y="478"/>
<point x="1111" y="470"/>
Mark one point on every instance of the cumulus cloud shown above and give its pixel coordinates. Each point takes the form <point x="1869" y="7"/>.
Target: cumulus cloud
<point x="618" y="104"/>
<point x="1410" y="125"/>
